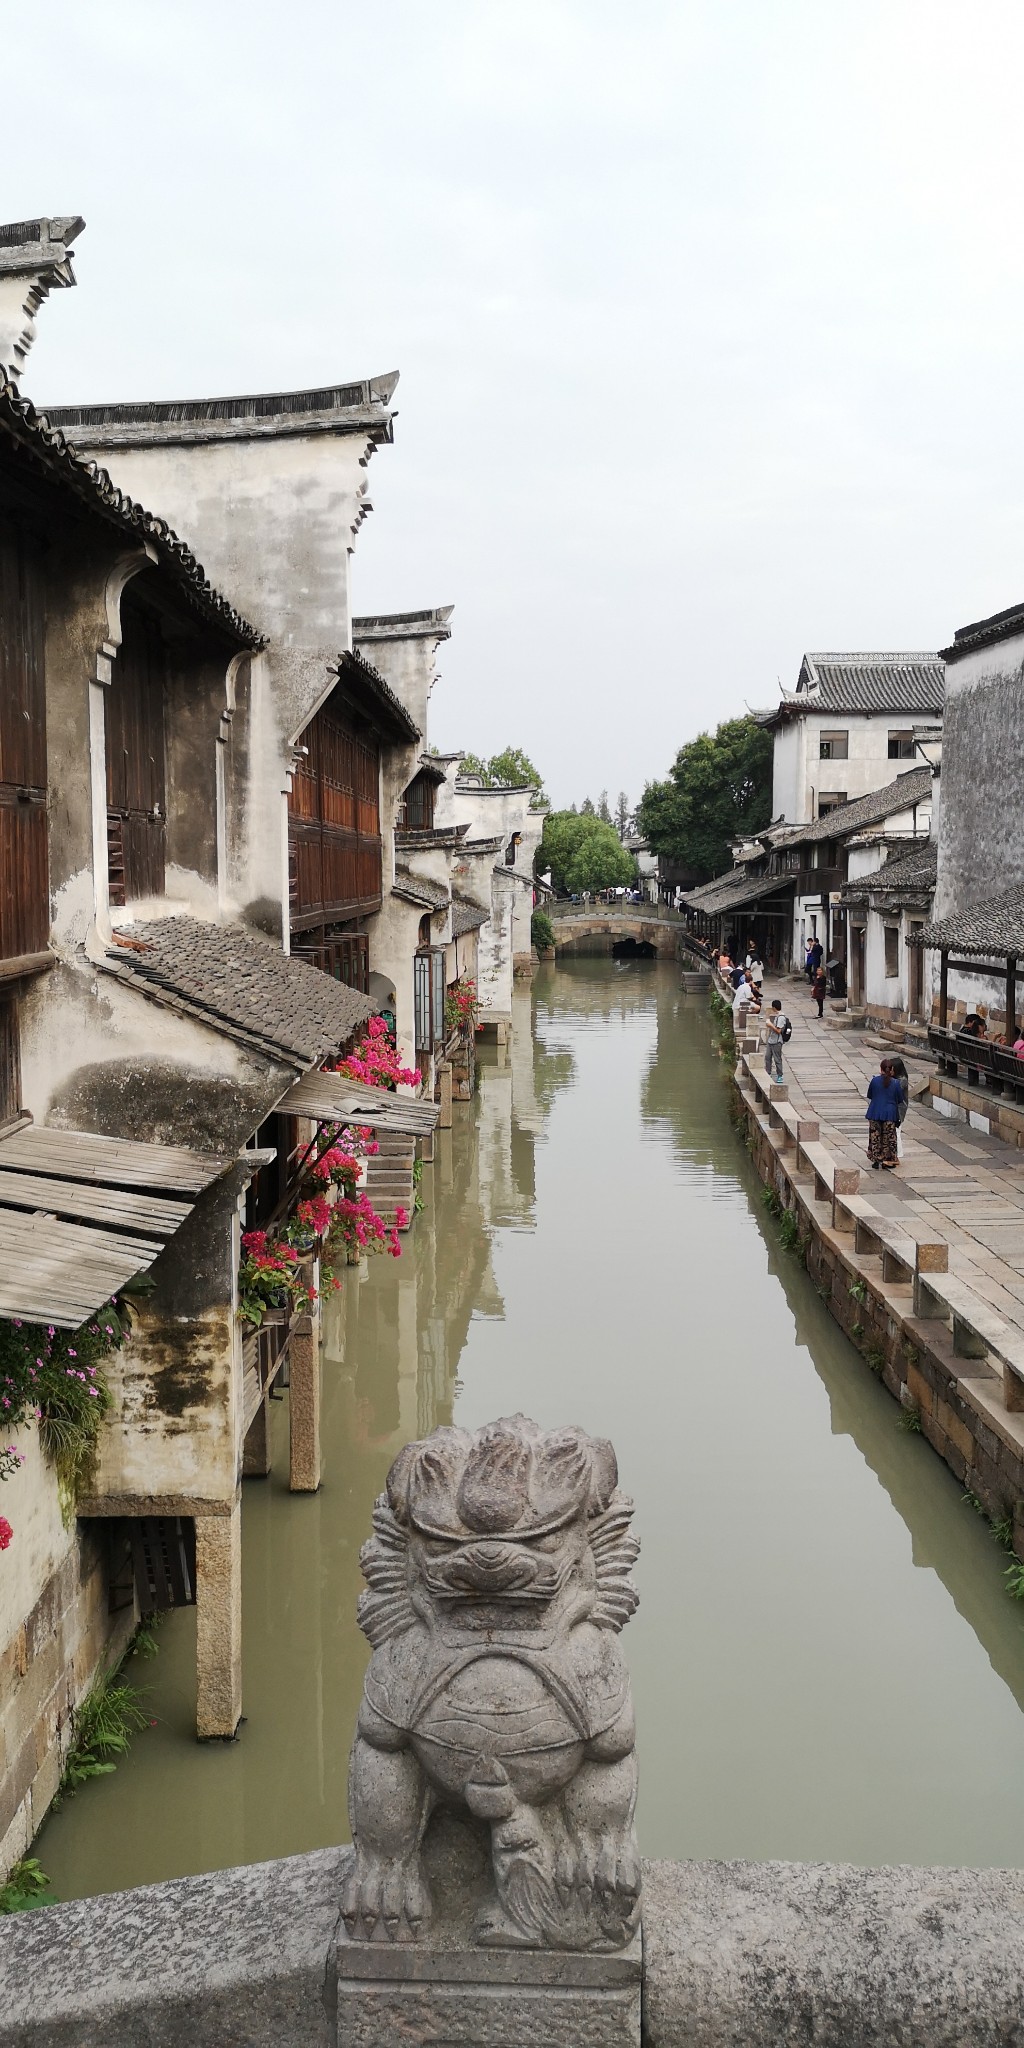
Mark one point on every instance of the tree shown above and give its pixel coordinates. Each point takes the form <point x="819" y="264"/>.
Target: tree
<point x="622" y="814"/>
<point x="582" y="853"/>
<point x="602" y="808"/>
<point x="587" y="808"/>
<point x="511" y="769"/>
<point x="718" y="787"/>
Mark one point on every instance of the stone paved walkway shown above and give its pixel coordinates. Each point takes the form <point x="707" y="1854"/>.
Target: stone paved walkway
<point x="953" y="1183"/>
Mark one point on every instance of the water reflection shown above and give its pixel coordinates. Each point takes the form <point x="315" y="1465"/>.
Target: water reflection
<point x="820" y="1615"/>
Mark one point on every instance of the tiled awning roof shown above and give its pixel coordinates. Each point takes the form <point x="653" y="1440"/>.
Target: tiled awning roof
<point x="81" y="1214"/>
<point x="734" y="891"/>
<point x="904" y="877"/>
<point x="904" y="793"/>
<point x="332" y="1098"/>
<point x="466" y="916"/>
<point x="992" y="930"/>
<point x="367" y="681"/>
<point x="241" y="985"/>
<point x="416" y="889"/>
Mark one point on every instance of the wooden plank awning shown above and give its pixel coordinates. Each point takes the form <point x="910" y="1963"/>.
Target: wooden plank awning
<point x="81" y="1214"/>
<point x="330" y="1098"/>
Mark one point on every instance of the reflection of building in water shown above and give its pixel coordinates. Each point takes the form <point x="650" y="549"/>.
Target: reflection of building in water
<point x="394" y="1337"/>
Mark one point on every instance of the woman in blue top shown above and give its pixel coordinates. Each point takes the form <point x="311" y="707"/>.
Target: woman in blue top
<point x="885" y="1095"/>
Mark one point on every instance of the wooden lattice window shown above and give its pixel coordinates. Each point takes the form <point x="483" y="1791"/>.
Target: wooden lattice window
<point x="335" y="865"/>
<point x="10" y="1062"/>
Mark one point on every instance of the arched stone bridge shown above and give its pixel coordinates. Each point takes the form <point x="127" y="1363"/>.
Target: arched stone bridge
<point x="599" y="930"/>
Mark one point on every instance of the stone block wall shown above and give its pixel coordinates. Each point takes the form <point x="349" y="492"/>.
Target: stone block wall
<point x="997" y="1114"/>
<point x="912" y="1357"/>
<point x="46" y="1667"/>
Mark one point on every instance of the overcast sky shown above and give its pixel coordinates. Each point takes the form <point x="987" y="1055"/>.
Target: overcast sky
<point x="709" y="317"/>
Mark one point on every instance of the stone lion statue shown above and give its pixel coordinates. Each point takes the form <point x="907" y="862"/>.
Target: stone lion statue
<point x="498" y="1582"/>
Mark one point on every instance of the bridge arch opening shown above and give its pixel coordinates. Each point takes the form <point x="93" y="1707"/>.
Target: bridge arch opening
<point x="633" y="949"/>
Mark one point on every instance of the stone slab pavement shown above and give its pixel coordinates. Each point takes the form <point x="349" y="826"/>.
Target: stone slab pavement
<point x="954" y="1183"/>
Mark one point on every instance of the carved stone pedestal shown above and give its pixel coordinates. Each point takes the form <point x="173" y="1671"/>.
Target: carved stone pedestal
<point x="449" y="1992"/>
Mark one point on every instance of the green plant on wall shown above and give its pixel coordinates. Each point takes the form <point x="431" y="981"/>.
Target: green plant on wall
<point x="102" y="1726"/>
<point x="55" y="1378"/>
<point x="542" y="931"/>
<point x="27" y="1887"/>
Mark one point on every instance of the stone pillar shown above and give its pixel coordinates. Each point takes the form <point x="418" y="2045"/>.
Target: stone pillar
<point x="304" y="1408"/>
<point x="219" y="1623"/>
<point x="445" y="1118"/>
<point x="256" y="1449"/>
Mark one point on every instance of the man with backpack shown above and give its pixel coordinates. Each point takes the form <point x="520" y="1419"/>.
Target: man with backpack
<point x="778" y="1032"/>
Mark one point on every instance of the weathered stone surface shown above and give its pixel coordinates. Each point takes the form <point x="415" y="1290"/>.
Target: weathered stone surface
<point x="498" y="1583"/>
<point x="447" y="1988"/>
<point x="781" y="1955"/>
<point x="235" y="1959"/>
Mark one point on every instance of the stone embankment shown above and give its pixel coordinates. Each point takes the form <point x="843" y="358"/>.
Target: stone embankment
<point x="736" y="1955"/>
<point x="923" y="1269"/>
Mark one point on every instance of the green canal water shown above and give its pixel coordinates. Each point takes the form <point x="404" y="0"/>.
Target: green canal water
<point x="824" y="1661"/>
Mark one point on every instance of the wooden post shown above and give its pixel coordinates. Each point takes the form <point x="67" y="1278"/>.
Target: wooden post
<point x="304" y="1408"/>
<point x="219" y="1623"/>
<point x="256" y="1449"/>
<point x="444" y="1122"/>
<point x="1011" y="995"/>
<point x="944" y="988"/>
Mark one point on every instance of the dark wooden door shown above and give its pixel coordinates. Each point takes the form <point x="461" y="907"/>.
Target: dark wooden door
<point x="136" y="777"/>
<point x="24" y="868"/>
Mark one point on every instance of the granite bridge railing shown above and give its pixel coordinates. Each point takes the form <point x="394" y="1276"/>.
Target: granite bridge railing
<point x="735" y="1955"/>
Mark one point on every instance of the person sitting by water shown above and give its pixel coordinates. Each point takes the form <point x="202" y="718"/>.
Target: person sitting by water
<point x="743" y="999"/>
<point x="1018" y="1041"/>
<point x="886" y="1094"/>
<point x="819" y="988"/>
<point x="974" y="1026"/>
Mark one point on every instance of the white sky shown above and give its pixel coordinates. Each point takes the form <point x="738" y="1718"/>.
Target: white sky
<point x="709" y="316"/>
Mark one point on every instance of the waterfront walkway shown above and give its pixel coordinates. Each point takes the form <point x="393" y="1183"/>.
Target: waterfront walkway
<point x="954" y="1183"/>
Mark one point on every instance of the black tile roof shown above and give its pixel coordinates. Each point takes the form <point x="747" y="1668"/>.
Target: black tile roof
<point x="990" y="930"/>
<point x="914" y="787"/>
<point x="985" y="632"/>
<point x="47" y="447"/>
<point x="466" y="916"/>
<point x="354" y="669"/>
<point x="432" y="895"/>
<point x="732" y="891"/>
<point x="242" y="985"/>
<point x="905" y="684"/>
<point x="353" y="407"/>
<point x="904" y="877"/>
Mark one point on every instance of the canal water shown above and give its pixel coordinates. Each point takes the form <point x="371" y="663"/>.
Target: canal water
<point x="825" y="1662"/>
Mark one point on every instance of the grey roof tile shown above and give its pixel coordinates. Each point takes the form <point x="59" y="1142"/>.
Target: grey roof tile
<point x="432" y="895"/>
<point x="990" y="930"/>
<point x="903" y="877"/>
<point x="913" y="787"/>
<point x="91" y="484"/>
<point x="466" y="916"/>
<point x="901" y="683"/>
<point x="242" y="985"/>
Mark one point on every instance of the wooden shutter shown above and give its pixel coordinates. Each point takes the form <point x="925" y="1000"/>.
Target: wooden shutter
<point x="136" y="774"/>
<point x="24" y="866"/>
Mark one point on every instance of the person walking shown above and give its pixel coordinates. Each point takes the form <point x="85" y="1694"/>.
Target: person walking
<point x="819" y="988"/>
<point x="899" y="1069"/>
<point x="886" y="1093"/>
<point x="757" y="971"/>
<point x="778" y="1030"/>
<point x="815" y="957"/>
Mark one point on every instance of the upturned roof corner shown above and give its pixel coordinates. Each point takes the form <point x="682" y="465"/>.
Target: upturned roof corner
<point x="34" y="261"/>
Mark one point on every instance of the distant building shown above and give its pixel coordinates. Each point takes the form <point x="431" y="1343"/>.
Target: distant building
<point x="845" y="728"/>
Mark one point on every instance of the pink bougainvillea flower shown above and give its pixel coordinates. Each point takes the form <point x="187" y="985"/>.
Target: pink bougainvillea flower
<point x="6" y="1532"/>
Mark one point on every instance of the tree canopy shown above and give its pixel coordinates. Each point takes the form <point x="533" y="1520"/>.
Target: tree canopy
<point x="718" y="787"/>
<point x="511" y="769"/>
<point x="583" y="853"/>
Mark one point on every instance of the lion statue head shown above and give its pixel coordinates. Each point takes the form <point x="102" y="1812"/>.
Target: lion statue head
<point x="498" y="1528"/>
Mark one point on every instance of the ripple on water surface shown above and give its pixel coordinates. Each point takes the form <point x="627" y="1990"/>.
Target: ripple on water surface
<point x="824" y="1660"/>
